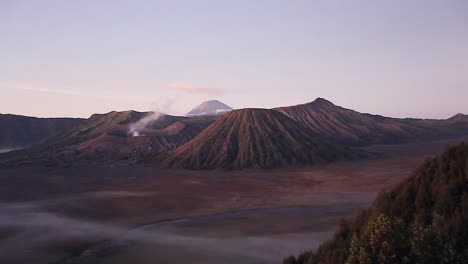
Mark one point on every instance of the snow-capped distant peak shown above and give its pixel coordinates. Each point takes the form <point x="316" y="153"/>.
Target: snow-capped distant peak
<point x="213" y="107"/>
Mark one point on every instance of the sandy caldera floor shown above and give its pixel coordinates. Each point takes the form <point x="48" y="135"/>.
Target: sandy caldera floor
<point x="134" y="214"/>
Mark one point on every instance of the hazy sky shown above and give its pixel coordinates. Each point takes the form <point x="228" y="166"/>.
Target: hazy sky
<point x="74" y="58"/>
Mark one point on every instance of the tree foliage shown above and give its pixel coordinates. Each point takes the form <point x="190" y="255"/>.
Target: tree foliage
<point x="424" y="219"/>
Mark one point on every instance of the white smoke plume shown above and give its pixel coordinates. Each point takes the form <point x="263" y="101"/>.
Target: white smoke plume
<point x="137" y="129"/>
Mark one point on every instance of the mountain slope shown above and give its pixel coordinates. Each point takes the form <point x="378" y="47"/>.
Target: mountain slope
<point x="21" y="131"/>
<point x="213" y="107"/>
<point x="253" y="138"/>
<point x="354" y="128"/>
<point x="111" y="137"/>
<point x="424" y="219"/>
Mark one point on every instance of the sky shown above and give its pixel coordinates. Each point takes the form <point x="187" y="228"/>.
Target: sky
<point x="399" y="58"/>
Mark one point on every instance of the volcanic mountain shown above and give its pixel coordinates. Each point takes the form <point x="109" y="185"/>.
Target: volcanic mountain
<point x="424" y="219"/>
<point x="350" y="127"/>
<point x="21" y="131"/>
<point x="213" y="107"/>
<point x="116" y="136"/>
<point x="254" y="138"/>
<point x="248" y="138"/>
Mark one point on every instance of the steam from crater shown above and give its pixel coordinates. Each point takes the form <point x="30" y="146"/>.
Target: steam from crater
<point x="138" y="128"/>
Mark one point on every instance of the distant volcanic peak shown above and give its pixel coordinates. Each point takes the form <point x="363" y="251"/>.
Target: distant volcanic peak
<point x="316" y="104"/>
<point x="214" y="102"/>
<point x="321" y="100"/>
<point x="459" y="116"/>
<point x="212" y="107"/>
<point x="320" y="103"/>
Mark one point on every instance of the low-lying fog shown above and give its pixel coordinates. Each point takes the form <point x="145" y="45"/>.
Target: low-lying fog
<point x="4" y="150"/>
<point x="31" y="233"/>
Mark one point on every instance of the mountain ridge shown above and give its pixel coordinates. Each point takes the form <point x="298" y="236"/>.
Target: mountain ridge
<point x="253" y="138"/>
<point x="108" y="138"/>
<point x="17" y="131"/>
<point x="137" y="136"/>
<point x="359" y="129"/>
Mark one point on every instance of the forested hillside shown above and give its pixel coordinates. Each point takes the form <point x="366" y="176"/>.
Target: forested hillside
<point x="424" y="219"/>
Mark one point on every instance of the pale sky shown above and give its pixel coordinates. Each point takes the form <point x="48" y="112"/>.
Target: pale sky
<point x="400" y="58"/>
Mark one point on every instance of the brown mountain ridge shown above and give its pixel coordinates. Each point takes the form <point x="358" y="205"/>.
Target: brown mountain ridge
<point x="21" y="131"/>
<point x="305" y="134"/>
<point x="357" y="129"/>
<point x="254" y="138"/>
<point x="109" y="138"/>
